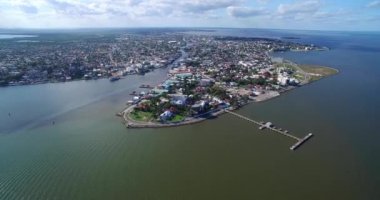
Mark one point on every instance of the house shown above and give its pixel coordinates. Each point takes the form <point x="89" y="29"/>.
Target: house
<point x="179" y="100"/>
<point x="169" y="83"/>
<point x="164" y="100"/>
<point x="166" y="115"/>
<point x="205" y="82"/>
<point x="282" y="80"/>
<point x="200" y="107"/>
<point x="184" y="75"/>
<point x="293" y="81"/>
<point x="177" y="97"/>
<point x="178" y="103"/>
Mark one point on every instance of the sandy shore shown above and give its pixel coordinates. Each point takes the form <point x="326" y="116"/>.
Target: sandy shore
<point x="266" y="96"/>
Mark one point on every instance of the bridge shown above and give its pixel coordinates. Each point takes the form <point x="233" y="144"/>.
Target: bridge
<point x="299" y="142"/>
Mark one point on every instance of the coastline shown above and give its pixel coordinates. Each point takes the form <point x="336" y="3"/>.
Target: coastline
<point x="130" y="123"/>
<point x="269" y="95"/>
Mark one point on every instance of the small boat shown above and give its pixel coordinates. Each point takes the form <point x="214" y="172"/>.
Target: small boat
<point x="133" y="93"/>
<point x="114" y="78"/>
<point x="145" y="86"/>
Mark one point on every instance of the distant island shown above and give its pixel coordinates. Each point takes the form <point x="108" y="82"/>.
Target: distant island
<point x="290" y="38"/>
<point x="219" y="73"/>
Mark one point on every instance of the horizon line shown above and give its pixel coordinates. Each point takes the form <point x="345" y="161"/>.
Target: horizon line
<point x="179" y="27"/>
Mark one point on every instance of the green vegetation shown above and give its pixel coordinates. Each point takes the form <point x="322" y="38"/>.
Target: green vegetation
<point x="318" y="72"/>
<point x="324" y="71"/>
<point x="177" y="118"/>
<point x="307" y="73"/>
<point x="285" y="65"/>
<point x="218" y="92"/>
<point x="188" y="87"/>
<point x="151" y="110"/>
<point x="253" y="81"/>
<point x="141" y="116"/>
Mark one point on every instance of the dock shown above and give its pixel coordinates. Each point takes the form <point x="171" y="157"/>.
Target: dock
<point x="301" y="141"/>
<point x="269" y="126"/>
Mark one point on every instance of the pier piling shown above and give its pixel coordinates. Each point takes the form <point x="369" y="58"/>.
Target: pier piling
<point x="299" y="142"/>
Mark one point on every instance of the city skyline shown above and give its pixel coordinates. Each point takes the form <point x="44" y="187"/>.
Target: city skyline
<point x="350" y="15"/>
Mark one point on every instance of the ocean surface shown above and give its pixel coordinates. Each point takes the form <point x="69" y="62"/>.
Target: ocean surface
<point x="12" y="36"/>
<point x="63" y="140"/>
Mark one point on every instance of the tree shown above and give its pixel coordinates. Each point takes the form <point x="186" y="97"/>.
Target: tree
<point x="218" y="92"/>
<point x="259" y="81"/>
<point x="234" y="102"/>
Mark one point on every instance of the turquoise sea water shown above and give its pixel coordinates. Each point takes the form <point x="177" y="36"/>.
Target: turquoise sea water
<point x="88" y="154"/>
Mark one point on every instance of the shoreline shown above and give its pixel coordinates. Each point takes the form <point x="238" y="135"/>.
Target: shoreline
<point x="311" y="73"/>
<point x="130" y="123"/>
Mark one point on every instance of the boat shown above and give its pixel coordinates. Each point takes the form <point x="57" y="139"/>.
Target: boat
<point x="114" y="78"/>
<point x="146" y="86"/>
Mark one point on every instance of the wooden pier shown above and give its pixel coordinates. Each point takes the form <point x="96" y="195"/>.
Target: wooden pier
<point x="299" y="142"/>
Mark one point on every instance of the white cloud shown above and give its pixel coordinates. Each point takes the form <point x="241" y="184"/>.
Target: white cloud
<point x="29" y="9"/>
<point x="262" y="1"/>
<point x="97" y="13"/>
<point x="299" y="10"/>
<point x="374" y="4"/>
<point x="123" y="13"/>
<point x="309" y="7"/>
<point x="125" y="7"/>
<point x="118" y="12"/>
<point x="246" y="11"/>
<point x="139" y="7"/>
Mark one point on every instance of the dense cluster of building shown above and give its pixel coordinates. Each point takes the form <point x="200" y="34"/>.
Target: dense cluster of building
<point x="218" y="73"/>
<point x="207" y="73"/>
<point x="65" y="57"/>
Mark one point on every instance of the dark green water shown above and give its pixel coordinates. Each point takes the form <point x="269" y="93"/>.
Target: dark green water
<point x="89" y="154"/>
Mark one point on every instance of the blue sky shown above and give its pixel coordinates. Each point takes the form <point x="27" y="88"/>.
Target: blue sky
<point x="357" y="15"/>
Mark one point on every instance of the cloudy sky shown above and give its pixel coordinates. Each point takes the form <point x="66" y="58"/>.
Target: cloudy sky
<point x="288" y="14"/>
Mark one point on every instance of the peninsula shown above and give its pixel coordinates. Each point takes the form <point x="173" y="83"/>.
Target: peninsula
<point x="215" y="74"/>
